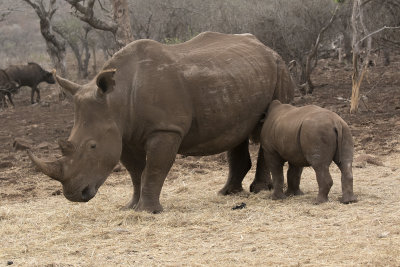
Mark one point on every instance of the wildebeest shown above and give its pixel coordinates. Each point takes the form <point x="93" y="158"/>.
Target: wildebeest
<point x="152" y="101"/>
<point x="7" y="88"/>
<point x="30" y="75"/>
<point x="307" y="136"/>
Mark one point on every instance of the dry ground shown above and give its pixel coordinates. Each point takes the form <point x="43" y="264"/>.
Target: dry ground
<point x="39" y="227"/>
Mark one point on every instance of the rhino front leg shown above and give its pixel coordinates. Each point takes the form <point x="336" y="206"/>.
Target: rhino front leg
<point x="325" y="182"/>
<point x="262" y="180"/>
<point x="239" y="164"/>
<point x="161" y="150"/>
<point x="293" y="180"/>
<point x="134" y="162"/>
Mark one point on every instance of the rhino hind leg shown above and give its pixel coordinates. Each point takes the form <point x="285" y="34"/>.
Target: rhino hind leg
<point x="347" y="183"/>
<point x="262" y="179"/>
<point x="293" y="181"/>
<point x="239" y="164"/>
<point x="324" y="181"/>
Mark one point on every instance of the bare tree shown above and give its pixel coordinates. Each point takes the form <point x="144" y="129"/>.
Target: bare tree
<point x="76" y="35"/>
<point x="55" y="47"/>
<point x="360" y="63"/>
<point x="4" y="13"/>
<point x="119" y="25"/>
<point x="312" y="57"/>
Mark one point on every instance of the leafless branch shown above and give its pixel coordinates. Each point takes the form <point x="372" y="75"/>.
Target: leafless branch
<point x="391" y="42"/>
<point x="86" y="14"/>
<point x="102" y="7"/>
<point x="377" y="31"/>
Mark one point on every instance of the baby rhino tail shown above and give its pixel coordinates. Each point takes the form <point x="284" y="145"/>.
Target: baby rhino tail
<point x="339" y="142"/>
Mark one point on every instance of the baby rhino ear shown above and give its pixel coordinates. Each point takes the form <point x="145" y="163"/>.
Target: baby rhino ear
<point x="105" y="81"/>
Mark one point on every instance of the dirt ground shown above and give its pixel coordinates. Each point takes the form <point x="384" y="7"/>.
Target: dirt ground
<point x="39" y="227"/>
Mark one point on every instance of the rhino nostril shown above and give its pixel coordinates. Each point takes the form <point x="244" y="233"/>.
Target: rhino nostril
<point x="86" y="194"/>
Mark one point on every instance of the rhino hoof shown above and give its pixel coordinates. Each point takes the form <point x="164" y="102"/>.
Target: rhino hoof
<point x="230" y="190"/>
<point x="320" y="200"/>
<point x="258" y="187"/>
<point x="348" y="199"/>
<point x="154" y="209"/>
<point x="276" y="196"/>
<point x="297" y="192"/>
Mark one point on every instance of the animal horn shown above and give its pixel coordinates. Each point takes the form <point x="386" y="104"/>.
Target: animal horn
<point x="69" y="86"/>
<point x="52" y="169"/>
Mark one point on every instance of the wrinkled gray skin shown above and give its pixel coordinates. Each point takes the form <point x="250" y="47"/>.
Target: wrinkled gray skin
<point x="30" y="75"/>
<point x="152" y="101"/>
<point x="307" y="136"/>
<point x="7" y="88"/>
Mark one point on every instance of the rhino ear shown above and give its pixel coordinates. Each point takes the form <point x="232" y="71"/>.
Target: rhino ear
<point x="105" y="82"/>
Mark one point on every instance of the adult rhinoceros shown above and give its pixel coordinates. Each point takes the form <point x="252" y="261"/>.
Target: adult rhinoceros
<point x="152" y="101"/>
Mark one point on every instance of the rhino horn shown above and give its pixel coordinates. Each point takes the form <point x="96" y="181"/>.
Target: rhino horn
<point x="52" y="169"/>
<point x="66" y="147"/>
<point x="69" y="86"/>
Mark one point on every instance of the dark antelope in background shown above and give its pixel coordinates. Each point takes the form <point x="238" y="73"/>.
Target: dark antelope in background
<point x="30" y="75"/>
<point x="7" y="88"/>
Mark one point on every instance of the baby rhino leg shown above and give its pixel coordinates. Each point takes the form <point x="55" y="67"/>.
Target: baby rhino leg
<point x="275" y="165"/>
<point x="293" y="180"/>
<point x="325" y="182"/>
<point x="347" y="183"/>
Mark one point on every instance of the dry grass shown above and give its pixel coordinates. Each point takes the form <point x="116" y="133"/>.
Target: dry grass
<point x="199" y="228"/>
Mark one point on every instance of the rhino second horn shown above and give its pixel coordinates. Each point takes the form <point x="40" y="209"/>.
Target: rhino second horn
<point x="52" y="169"/>
<point x="67" y="85"/>
<point x="66" y="147"/>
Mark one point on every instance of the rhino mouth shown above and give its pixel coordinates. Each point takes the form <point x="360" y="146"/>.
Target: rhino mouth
<point x="84" y="195"/>
<point x="88" y="193"/>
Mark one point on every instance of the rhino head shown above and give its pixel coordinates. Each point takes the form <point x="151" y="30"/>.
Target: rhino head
<point x="94" y="145"/>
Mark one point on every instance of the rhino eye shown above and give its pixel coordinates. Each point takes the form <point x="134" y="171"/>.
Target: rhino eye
<point x="92" y="144"/>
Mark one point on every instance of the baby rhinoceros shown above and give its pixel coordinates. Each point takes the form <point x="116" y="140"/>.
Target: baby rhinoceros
<point x="307" y="136"/>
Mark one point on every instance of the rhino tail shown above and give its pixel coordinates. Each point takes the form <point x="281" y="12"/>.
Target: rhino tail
<point x="284" y="89"/>
<point x="339" y="141"/>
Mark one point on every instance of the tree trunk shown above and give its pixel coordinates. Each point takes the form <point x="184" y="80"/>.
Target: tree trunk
<point x="86" y="52"/>
<point x="94" y="66"/>
<point x="347" y="46"/>
<point x="121" y="16"/>
<point x="359" y="70"/>
<point x="311" y="58"/>
<point x="55" y="47"/>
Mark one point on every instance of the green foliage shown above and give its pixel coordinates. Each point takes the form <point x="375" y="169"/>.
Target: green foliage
<point x="174" y="40"/>
<point x="339" y="1"/>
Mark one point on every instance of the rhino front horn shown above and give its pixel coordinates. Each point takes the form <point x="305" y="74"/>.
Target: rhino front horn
<point x="52" y="169"/>
<point x="68" y="86"/>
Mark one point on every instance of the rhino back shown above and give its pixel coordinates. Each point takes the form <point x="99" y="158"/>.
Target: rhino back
<point x="212" y="89"/>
